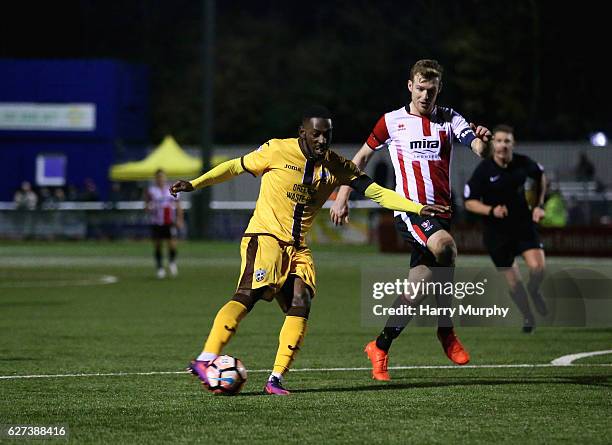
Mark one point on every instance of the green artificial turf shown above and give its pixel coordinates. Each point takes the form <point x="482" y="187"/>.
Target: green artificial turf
<point x="57" y="318"/>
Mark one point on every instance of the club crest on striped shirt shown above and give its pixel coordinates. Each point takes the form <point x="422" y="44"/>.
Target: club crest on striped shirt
<point x="426" y="225"/>
<point x="260" y="274"/>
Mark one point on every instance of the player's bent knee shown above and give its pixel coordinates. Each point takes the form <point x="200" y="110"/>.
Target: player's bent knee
<point x="301" y="298"/>
<point x="248" y="298"/>
<point x="536" y="269"/>
<point x="300" y="304"/>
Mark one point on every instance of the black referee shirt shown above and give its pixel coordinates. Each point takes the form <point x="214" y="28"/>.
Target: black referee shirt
<point x="494" y="185"/>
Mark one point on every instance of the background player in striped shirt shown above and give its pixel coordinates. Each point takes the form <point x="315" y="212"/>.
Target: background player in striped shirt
<point x="298" y="175"/>
<point x="420" y="138"/>
<point x="165" y="216"/>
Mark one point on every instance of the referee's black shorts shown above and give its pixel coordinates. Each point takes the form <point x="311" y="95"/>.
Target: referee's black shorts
<point x="505" y="244"/>
<point x="417" y="230"/>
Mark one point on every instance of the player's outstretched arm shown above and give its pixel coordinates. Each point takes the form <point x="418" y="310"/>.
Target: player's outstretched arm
<point x="339" y="211"/>
<point x="393" y="201"/>
<point x="222" y="172"/>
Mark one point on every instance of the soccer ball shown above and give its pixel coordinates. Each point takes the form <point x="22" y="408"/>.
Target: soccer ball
<point x="226" y="375"/>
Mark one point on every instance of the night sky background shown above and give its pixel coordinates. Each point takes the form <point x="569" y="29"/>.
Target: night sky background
<point x="537" y="65"/>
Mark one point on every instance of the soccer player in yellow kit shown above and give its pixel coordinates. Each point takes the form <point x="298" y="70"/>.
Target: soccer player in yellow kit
<point x="298" y="175"/>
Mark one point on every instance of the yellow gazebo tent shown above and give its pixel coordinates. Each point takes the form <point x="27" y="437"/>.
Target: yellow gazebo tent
<point x="168" y="156"/>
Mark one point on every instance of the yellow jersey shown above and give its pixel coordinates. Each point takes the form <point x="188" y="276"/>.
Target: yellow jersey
<point x="293" y="187"/>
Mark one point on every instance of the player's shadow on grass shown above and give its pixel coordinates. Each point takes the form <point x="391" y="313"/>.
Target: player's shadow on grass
<point x="598" y="380"/>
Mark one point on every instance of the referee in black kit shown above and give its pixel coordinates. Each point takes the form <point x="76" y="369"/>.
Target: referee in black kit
<point x="496" y="191"/>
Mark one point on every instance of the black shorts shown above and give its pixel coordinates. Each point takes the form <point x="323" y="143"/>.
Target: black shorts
<point x="166" y="231"/>
<point x="417" y="230"/>
<point x="504" y="244"/>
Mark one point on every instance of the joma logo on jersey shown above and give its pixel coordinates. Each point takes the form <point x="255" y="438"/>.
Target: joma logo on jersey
<point x="293" y="167"/>
<point x="415" y="145"/>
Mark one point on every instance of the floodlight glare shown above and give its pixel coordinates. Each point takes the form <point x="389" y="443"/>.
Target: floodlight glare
<point x="599" y="139"/>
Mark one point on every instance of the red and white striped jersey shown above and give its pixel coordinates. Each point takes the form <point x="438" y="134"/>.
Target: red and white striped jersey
<point x="161" y="206"/>
<point x="420" y="148"/>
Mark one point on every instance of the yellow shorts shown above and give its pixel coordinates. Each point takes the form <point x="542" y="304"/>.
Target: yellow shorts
<point x="266" y="261"/>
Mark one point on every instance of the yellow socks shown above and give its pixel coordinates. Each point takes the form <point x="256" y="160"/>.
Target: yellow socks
<point x="226" y="323"/>
<point x="224" y="326"/>
<point x="290" y="340"/>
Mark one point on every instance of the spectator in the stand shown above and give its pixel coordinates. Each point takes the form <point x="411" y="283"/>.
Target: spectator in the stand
<point x="59" y="195"/>
<point x="90" y="192"/>
<point x="72" y="194"/>
<point x="575" y="213"/>
<point x="53" y="202"/>
<point x="25" y="198"/>
<point x="585" y="170"/>
<point x="45" y="199"/>
<point x="51" y="198"/>
<point x="115" y="194"/>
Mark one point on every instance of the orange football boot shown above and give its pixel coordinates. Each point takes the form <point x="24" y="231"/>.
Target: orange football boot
<point x="453" y="348"/>
<point x="379" y="359"/>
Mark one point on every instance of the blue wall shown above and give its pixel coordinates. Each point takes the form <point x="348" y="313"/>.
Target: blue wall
<point x="92" y="159"/>
<point x="120" y="92"/>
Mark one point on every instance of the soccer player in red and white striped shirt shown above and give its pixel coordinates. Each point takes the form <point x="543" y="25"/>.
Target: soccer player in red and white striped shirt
<point x="420" y="138"/>
<point x="166" y="217"/>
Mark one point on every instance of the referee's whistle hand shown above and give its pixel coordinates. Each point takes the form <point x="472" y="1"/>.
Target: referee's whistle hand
<point x="538" y="214"/>
<point x="500" y="211"/>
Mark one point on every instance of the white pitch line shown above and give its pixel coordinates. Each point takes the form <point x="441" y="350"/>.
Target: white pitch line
<point x="104" y="279"/>
<point x="567" y="360"/>
<point x="253" y="371"/>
